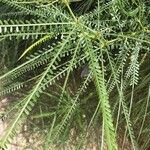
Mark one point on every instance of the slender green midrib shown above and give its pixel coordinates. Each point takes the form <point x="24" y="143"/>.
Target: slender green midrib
<point x="37" y="24"/>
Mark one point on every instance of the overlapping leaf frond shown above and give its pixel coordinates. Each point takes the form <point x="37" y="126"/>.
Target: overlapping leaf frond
<point x="58" y="38"/>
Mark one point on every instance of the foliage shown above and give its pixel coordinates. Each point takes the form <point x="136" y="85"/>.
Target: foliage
<point x="52" y="42"/>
